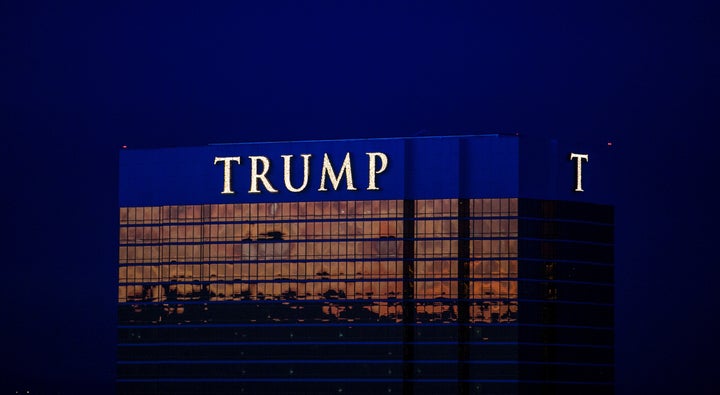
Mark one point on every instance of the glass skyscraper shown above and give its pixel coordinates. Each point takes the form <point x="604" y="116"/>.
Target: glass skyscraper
<point x="424" y="266"/>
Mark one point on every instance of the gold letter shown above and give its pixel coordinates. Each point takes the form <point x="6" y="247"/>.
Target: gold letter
<point x="254" y="176"/>
<point x="578" y="172"/>
<point x="335" y="180"/>
<point x="306" y="172"/>
<point x="227" y="189"/>
<point x="371" y="166"/>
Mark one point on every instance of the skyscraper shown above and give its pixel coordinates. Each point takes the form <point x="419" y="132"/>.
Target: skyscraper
<point x="468" y="264"/>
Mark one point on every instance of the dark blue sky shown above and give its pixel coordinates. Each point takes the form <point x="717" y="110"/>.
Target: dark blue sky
<point x="79" y="81"/>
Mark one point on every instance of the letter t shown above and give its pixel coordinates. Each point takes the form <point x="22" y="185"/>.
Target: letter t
<point x="578" y="172"/>
<point x="227" y="187"/>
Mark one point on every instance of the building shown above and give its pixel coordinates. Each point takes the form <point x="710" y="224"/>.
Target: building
<point x="464" y="264"/>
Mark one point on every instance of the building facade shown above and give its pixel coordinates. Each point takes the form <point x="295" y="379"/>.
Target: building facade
<point x="466" y="264"/>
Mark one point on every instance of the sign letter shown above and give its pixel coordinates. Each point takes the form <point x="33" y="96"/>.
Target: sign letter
<point x="227" y="187"/>
<point x="578" y="171"/>
<point x="372" y="169"/>
<point x="306" y="172"/>
<point x="328" y="171"/>
<point x="255" y="176"/>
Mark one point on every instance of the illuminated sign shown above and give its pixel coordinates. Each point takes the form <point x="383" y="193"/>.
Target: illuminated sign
<point x="578" y="169"/>
<point x="260" y="166"/>
<point x="484" y="166"/>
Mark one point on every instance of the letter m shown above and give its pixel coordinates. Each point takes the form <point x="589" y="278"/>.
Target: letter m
<point x="328" y="172"/>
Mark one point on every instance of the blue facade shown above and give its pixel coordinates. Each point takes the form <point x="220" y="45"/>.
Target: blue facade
<point x="465" y="264"/>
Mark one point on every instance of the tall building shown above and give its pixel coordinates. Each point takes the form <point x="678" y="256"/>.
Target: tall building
<point x="465" y="264"/>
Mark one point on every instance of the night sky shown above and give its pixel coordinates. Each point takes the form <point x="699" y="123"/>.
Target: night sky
<point x="78" y="81"/>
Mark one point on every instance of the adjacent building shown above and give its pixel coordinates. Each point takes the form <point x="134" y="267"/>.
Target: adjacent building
<point x="467" y="264"/>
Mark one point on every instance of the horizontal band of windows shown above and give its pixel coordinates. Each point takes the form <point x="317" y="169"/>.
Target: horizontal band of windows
<point x="181" y="314"/>
<point x="375" y="280"/>
<point x="556" y="281"/>
<point x="350" y="332"/>
<point x="331" y="219"/>
<point x="565" y="209"/>
<point x="358" y="343"/>
<point x="348" y="380"/>
<point x="369" y="259"/>
<point x="557" y="241"/>
<point x="320" y="258"/>
<point x="531" y="219"/>
<point x="272" y="387"/>
<point x="544" y="269"/>
<point x="328" y="219"/>
<point x="523" y="259"/>
<point x="329" y="351"/>
<point x="420" y="301"/>
<point x="305" y="343"/>
<point x="564" y="230"/>
<point x="353" y="361"/>
<point x="282" y="280"/>
<point x="366" y="350"/>
<point x="323" y="325"/>
<point x="549" y="250"/>
<point x="360" y="371"/>
<point x="416" y="279"/>
<point x="208" y="240"/>
<point x="292" y="297"/>
<point x="216" y="240"/>
<point x="359" y="324"/>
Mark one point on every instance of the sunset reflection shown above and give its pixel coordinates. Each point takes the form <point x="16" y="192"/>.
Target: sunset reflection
<point x="314" y="261"/>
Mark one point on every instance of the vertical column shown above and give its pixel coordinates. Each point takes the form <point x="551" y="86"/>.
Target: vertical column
<point x="463" y="295"/>
<point x="408" y="294"/>
<point x="548" y="253"/>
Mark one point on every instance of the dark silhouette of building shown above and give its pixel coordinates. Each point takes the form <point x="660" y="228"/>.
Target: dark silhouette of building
<point x="451" y="276"/>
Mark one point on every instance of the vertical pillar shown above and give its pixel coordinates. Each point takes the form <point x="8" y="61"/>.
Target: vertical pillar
<point x="463" y="295"/>
<point x="408" y="295"/>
